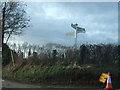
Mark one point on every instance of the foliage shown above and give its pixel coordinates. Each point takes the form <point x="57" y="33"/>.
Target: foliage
<point x="87" y="54"/>
<point x="60" y="74"/>
<point x="6" y="55"/>
<point x="38" y="67"/>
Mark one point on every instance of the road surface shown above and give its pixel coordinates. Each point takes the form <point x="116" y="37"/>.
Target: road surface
<point x="14" y="84"/>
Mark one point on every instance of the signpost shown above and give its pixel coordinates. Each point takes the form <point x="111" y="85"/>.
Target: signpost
<point x="77" y="30"/>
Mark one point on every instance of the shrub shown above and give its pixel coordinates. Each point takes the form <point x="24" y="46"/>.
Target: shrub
<point x="6" y="55"/>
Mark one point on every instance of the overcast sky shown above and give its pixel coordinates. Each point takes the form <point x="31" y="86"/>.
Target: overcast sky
<point x="51" y="21"/>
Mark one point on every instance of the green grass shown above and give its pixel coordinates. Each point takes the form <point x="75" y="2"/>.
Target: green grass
<point x="60" y="74"/>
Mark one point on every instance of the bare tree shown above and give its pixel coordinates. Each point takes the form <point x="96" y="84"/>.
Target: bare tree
<point x="14" y="19"/>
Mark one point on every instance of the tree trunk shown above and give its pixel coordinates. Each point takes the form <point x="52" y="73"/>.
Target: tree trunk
<point x="3" y="22"/>
<point x="8" y="37"/>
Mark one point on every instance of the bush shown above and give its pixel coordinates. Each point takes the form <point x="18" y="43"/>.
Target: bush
<point x="56" y="73"/>
<point x="6" y="56"/>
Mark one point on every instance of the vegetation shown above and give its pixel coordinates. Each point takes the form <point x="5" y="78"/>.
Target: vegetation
<point x="85" y="75"/>
<point x="87" y="54"/>
<point x="79" y="67"/>
<point x="14" y="19"/>
<point x="6" y="56"/>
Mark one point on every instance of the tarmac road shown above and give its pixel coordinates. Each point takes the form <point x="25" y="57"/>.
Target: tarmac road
<point x="13" y="84"/>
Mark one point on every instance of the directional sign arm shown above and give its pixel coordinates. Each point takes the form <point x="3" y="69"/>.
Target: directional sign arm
<point x="80" y="30"/>
<point x="74" y="26"/>
<point x="70" y="34"/>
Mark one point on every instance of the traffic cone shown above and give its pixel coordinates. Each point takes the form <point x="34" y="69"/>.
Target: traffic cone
<point x="109" y="83"/>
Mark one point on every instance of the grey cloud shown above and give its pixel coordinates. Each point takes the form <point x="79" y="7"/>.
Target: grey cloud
<point x="51" y="26"/>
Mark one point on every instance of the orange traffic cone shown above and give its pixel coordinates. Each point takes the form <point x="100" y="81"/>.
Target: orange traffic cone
<point x="109" y="83"/>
